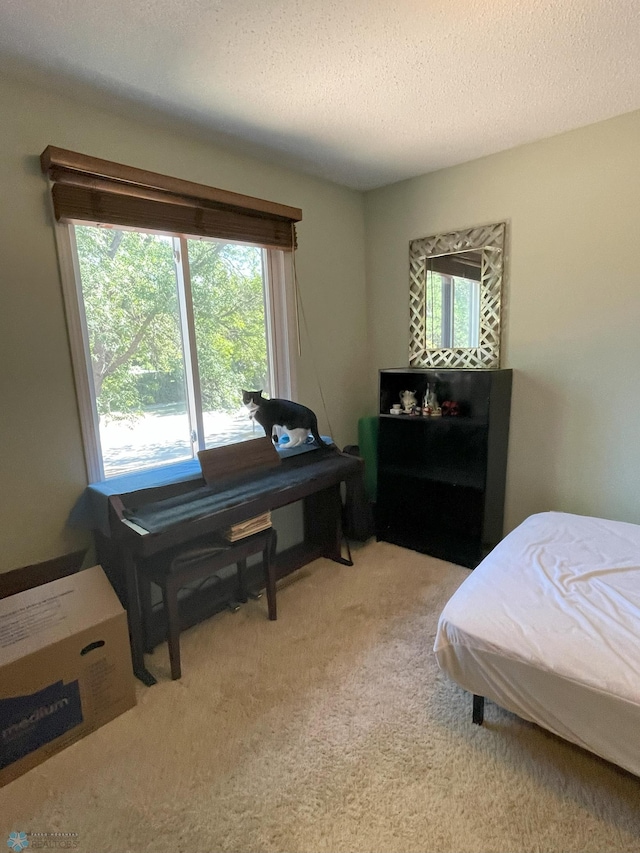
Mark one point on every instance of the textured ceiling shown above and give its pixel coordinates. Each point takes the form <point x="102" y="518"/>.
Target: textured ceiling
<point x="362" y="92"/>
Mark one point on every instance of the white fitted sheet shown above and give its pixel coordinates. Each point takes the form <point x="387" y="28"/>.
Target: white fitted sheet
<point x="548" y="626"/>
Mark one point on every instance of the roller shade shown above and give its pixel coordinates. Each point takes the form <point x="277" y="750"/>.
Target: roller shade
<point x="87" y="189"/>
<point x="462" y="264"/>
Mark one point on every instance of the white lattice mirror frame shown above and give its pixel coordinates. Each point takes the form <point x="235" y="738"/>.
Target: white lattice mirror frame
<point x="490" y="240"/>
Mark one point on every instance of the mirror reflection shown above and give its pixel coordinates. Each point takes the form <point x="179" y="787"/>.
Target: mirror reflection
<point x="452" y="297"/>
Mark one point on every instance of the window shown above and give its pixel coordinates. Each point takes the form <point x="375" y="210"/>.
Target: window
<point x="454" y="308"/>
<point x="167" y="329"/>
<point x="452" y="295"/>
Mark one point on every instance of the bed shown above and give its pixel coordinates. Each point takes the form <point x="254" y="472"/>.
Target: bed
<point x="548" y="627"/>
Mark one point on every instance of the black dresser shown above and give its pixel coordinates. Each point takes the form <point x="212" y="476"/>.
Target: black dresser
<point x="441" y="478"/>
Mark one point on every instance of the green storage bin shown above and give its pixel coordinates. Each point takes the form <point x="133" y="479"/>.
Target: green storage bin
<point x="368" y="444"/>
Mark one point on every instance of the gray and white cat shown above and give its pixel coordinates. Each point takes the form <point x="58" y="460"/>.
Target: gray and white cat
<point x="296" y="420"/>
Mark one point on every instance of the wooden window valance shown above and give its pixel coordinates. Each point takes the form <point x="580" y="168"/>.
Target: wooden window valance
<point x="87" y="189"/>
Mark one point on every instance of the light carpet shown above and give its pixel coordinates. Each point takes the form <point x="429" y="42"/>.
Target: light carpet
<point x="331" y="729"/>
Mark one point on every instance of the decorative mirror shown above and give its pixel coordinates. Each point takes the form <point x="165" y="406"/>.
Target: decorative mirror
<point x="455" y="295"/>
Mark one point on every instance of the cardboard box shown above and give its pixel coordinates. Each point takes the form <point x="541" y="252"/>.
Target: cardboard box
<point x="65" y="667"/>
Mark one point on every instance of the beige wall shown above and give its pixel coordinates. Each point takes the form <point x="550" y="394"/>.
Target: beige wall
<point x="41" y="461"/>
<point x="572" y="317"/>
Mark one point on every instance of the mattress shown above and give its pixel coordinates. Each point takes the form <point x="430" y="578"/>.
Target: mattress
<point x="548" y="626"/>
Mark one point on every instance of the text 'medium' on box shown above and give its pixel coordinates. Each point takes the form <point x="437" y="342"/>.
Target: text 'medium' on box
<point x="65" y="667"/>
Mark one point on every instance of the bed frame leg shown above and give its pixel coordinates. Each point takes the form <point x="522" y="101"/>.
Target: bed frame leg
<point x="478" y="709"/>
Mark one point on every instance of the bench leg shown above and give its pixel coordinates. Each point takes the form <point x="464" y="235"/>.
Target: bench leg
<point x="269" y="565"/>
<point x="170" y="598"/>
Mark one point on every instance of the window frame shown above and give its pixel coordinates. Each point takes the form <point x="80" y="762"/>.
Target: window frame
<point x="280" y="329"/>
<point x="448" y="290"/>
